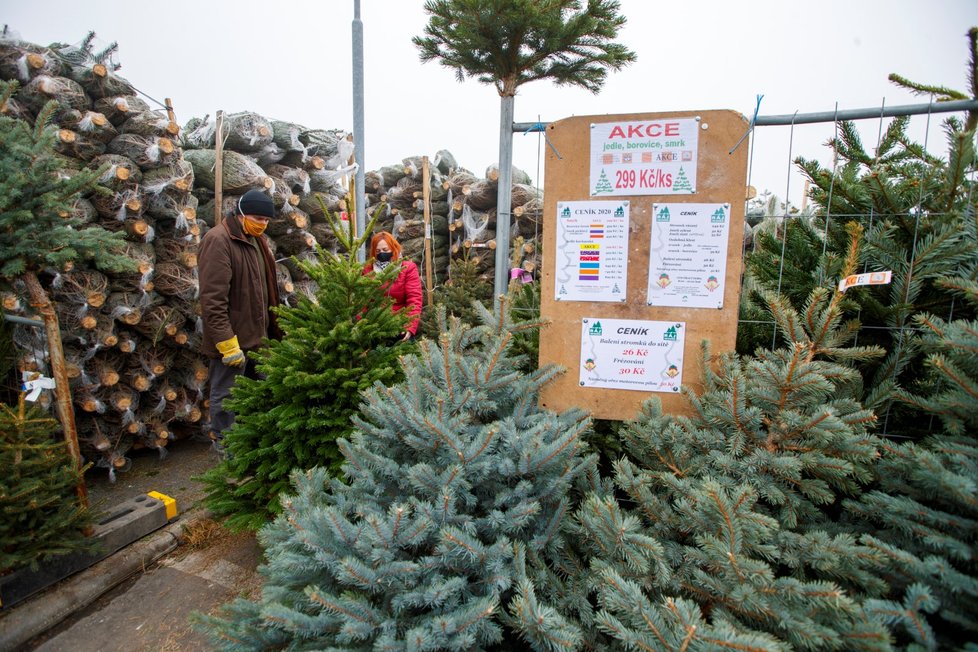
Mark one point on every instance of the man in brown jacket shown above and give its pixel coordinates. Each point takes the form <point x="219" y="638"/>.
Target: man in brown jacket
<point x="237" y="289"/>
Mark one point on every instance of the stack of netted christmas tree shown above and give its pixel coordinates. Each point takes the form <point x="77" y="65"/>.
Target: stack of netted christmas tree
<point x="297" y="166"/>
<point x="130" y="339"/>
<point x="472" y="219"/>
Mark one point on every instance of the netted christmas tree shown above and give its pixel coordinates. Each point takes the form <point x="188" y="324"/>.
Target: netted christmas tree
<point x="40" y="517"/>
<point x="730" y="537"/>
<point x="456" y="499"/>
<point x="337" y="343"/>
<point x="465" y="283"/>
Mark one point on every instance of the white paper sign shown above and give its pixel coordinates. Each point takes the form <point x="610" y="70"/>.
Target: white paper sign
<point x="634" y="354"/>
<point x="592" y="251"/>
<point x="656" y="157"/>
<point x="688" y="255"/>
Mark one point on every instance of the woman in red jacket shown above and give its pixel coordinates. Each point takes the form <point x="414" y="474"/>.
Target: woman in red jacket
<point x="405" y="291"/>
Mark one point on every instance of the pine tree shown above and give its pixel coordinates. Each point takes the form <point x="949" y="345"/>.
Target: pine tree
<point x="731" y="537"/>
<point x="336" y="345"/>
<point x="40" y="516"/>
<point x="912" y="206"/>
<point x="922" y="517"/>
<point x="456" y="500"/>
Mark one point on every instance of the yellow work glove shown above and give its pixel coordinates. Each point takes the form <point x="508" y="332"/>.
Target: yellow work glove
<point x="233" y="355"/>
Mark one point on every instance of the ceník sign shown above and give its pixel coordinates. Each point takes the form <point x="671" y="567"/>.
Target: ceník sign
<point x="632" y="354"/>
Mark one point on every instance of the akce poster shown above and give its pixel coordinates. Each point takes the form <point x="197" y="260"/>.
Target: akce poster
<point x="633" y="354"/>
<point x="656" y="157"/>
<point x="591" y="261"/>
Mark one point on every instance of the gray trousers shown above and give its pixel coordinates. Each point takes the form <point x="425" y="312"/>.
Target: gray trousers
<point x="222" y="379"/>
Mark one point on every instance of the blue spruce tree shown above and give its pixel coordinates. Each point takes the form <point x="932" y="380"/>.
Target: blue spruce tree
<point x="725" y="532"/>
<point x="456" y="499"/>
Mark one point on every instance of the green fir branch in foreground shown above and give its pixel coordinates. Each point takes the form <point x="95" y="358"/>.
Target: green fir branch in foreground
<point x="336" y="345"/>
<point x="41" y="517"/>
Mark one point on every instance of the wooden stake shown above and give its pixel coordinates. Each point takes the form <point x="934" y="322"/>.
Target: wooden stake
<point x="218" y="166"/>
<point x="62" y="389"/>
<point x="351" y="183"/>
<point x="169" y="110"/>
<point x="426" y="195"/>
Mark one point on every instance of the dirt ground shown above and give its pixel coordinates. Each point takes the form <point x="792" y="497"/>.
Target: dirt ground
<point x="152" y="610"/>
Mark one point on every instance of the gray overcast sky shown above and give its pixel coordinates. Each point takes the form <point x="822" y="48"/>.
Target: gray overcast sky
<point x="291" y="60"/>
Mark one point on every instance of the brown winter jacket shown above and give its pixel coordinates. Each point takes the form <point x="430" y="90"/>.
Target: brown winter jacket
<point x="230" y="295"/>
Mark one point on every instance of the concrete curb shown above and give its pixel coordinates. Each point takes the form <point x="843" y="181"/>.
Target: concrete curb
<point x="37" y="614"/>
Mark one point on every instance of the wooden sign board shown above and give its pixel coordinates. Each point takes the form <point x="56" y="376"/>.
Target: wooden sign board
<point x="637" y="207"/>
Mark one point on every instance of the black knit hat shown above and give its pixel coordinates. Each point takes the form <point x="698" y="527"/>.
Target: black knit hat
<point x="255" y="202"/>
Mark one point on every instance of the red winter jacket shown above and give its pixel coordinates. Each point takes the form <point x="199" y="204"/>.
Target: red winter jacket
<point x="405" y="291"/>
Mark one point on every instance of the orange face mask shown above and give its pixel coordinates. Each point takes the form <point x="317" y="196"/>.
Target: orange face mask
<point x="253" y="227"/>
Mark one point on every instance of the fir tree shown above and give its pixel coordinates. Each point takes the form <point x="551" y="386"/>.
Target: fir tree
<point x="336" y="345"/>
<point x="455" y="502"/>
<point x="35" y="192"/>
<point x="40" y="518"/>
<point x="525" y="299"/>
<point x="731" y="536"/>
<point x="912" y="206"/>
<point x="465" y="284"/>
<point x="922" y="516"/>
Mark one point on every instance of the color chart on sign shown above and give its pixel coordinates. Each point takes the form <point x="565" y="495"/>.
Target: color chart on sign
<point x="592" y="251"/>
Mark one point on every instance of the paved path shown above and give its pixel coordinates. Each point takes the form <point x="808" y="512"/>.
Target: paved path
<point x="152" y="612"/>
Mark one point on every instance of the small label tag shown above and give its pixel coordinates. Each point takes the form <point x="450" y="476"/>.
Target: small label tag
<point x="34" y="383"/>
<point x="872" y="278"/>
